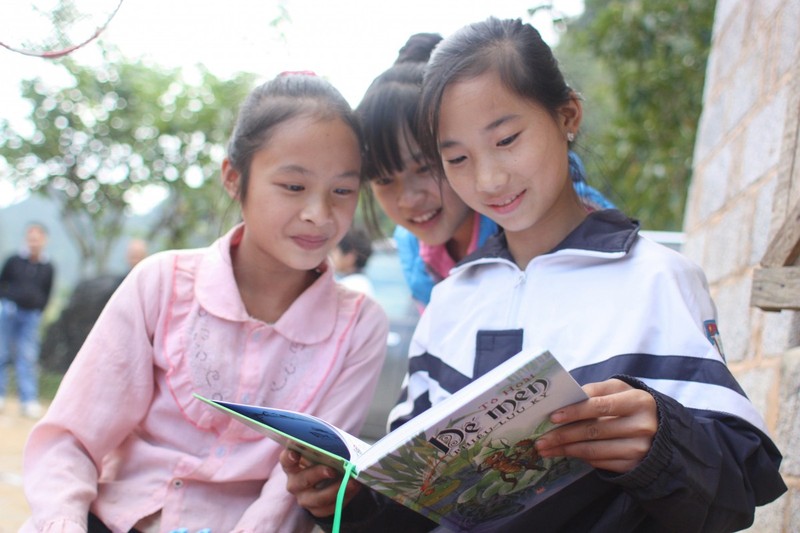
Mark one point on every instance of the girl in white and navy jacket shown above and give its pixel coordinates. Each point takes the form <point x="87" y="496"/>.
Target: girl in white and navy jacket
<point x="674" y="441"/>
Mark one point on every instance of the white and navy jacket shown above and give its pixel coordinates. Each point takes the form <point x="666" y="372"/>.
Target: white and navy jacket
<point x="607" y="303"/>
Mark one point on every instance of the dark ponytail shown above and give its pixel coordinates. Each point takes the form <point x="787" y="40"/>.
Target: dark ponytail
<point x="418" y="48"/>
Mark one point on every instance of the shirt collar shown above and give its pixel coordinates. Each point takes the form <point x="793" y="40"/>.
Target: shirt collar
<point x="310" y="319"/>
<point x="605" y="232"/>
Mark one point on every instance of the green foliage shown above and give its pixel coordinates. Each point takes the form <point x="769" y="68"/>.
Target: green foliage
<point x="640" y="67"/>
<point x="116" y="131"/>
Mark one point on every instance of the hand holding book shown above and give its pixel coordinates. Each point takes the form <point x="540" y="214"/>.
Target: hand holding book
<point x="315" y="486"/>
<point x="611" y="431"/>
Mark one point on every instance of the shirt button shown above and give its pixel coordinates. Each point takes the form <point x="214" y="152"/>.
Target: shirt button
<point x="178" y="483"/>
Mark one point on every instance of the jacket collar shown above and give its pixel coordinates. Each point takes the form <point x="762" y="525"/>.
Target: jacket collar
<point x="310" y="319"/>
<point x="607" y="231"/>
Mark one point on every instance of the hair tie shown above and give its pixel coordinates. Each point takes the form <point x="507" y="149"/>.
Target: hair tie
<point x="297" y="73"/>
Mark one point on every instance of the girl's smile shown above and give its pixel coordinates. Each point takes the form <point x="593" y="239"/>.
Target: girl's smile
<point x="507" y="205"/>
<point x="310" y="242"/>
<point x="426" y="217"/>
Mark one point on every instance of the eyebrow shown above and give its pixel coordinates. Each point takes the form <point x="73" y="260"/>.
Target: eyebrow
<point x="489" y="127"/>
<point x="350" y="174"/>
<point x="500" y="121"/>
<point x="299" y="169"/>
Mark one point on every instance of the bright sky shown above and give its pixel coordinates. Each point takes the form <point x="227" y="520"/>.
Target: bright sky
<point x="347" y="41"/>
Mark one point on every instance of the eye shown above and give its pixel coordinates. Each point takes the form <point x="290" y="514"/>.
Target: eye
<point x="344" y="191"/>
<point x="508" y="140"/>
<point x="456" y="160"/>
<point x="381" y="181"/>
<point x="293" y="187"/>
<point x="422" y="170"/>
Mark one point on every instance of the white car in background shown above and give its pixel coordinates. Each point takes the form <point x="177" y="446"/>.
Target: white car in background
<point x="670" y="239"/>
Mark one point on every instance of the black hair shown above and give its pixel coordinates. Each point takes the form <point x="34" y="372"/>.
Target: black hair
<point x="515" y="50"/>
<point x="390" y="108"/>
<point x="357" y="240"/>
<point x="391" y="103"/>
<point x="285" y="97"/>
<point x="418" y="48"/>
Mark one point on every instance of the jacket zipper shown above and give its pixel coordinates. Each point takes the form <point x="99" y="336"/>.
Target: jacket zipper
<point x="512" y="318"/>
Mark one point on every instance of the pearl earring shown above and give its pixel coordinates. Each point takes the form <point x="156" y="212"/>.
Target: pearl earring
<point x="570" y="136"/>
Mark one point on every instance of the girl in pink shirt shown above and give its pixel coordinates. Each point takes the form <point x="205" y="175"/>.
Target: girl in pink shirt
<point x="254" y="318"/>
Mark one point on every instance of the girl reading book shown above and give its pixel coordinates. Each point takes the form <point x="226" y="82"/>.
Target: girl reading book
<point x="674" y="443"/>
<point x="256" y="318"/>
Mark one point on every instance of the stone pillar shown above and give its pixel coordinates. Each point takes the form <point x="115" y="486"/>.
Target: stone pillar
<point x="746" y="179"/>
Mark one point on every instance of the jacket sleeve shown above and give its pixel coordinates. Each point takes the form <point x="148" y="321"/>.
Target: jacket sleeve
<point x="370" y="511"/>
<point x="713" y="467"/>
<point x="418" y="279"/>
<point x="4" y="278"/>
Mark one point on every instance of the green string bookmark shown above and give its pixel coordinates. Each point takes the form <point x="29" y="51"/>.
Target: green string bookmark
<point x="337" y="516"/>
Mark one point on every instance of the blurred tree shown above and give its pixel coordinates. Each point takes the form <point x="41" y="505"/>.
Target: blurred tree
<point x="120" y="132"/>
<point x="640" y="67"/>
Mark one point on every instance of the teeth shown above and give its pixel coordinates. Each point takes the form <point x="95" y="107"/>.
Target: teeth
<point x="424" y="218"/>
<point x="501" y="204"/>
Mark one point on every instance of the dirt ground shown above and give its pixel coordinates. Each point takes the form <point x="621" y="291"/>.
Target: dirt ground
<point x="14" y="430"/>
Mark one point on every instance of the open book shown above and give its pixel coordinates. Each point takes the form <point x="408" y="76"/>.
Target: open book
<point x="468" y="462"/>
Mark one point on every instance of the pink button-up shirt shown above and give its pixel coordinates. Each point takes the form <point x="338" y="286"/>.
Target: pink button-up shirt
<point x="124" y="436"/>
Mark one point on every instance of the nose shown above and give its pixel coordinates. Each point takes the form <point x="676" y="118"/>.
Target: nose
<point x="489" y="177"/>
<point x="412" y="193"/>
<point x="317" y="210"/>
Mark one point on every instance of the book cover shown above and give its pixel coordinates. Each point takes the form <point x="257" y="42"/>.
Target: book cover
<point x="469" y="462"/>
<point x="314" y="438"/>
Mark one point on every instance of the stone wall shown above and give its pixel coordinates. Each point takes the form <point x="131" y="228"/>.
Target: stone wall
<point x="746" y="180"/>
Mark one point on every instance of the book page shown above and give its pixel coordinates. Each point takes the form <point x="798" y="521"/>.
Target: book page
<point x="312" y="437"/>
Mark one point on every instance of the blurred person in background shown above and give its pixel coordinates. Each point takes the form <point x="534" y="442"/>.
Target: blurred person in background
<point x="26" y="282"/>
<point x="349" y="259"/>
<point x="64" y="336"/>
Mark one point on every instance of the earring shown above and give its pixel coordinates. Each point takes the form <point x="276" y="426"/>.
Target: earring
<point x="570" y="136"/>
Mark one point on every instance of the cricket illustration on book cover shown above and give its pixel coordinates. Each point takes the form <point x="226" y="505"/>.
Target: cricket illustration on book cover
<point x="486" y="467"/>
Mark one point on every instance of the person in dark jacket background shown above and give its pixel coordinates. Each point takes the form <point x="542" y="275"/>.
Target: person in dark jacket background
<point x="26" y="282"/>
